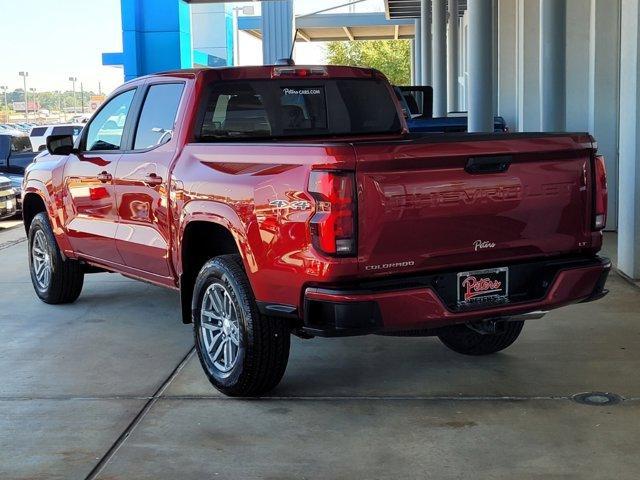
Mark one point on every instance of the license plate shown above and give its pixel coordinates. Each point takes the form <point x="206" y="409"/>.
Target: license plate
<point x="483" y="286"/>
<point x="9" y="204"/>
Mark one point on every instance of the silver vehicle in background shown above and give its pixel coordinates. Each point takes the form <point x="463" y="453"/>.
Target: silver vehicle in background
<point x="39" y="134"/>
<point x="8" y="203"/>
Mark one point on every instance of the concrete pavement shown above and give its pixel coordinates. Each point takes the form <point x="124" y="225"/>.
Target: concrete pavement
<point x="92" y="389"/>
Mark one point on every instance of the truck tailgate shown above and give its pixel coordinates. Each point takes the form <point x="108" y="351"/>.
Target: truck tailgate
<point x="442" y="202"/>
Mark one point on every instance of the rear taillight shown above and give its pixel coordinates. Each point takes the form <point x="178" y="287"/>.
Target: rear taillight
<point x="600" y="193"/>
<point x="333" y="226"/>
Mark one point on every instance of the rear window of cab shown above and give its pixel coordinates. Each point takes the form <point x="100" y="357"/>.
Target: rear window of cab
<point x="290" y="108"/>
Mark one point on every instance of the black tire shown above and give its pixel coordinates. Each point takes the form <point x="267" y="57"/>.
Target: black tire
<point x="263" y="349"/>
<point x="462" y="339"/>
<point x="66" y="276"/>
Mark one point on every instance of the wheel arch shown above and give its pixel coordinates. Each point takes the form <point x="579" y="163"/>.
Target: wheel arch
<point x="36" y="199"/>
<point x="32" y="204"/>
<point x="207" y="230"/>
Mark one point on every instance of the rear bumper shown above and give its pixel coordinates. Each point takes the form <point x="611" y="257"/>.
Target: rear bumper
<point x="422" y="303"/>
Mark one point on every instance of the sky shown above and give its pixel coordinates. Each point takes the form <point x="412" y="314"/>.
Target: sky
<point x="56" y="39"/>
<point x="53" y="40"/>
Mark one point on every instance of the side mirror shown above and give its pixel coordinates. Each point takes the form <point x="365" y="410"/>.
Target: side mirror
<point x="60" y="144"/>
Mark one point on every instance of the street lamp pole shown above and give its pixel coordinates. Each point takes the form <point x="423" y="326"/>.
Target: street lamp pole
<point x="34" y="96"/>
<point x="246" y="10"/>
<point x="236" y="37"/>
<point x="24" y="76"/>
<point x="6" y="104"/>
<point x="75" y="105"/>
<point x="82" y="97"/>
<point x="59" y="93"/>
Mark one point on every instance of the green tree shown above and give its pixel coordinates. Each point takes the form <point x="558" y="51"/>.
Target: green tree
<point x="391" y="57"/>
<point x="50" y="100"/>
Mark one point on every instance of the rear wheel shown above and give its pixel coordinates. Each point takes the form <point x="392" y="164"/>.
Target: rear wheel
<point x="469" y="341"/>
<point x="242" y="352"/>
<point x="55" y="279"/>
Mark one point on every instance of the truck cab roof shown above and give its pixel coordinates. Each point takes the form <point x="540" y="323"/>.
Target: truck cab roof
<point x="267" y="72"/>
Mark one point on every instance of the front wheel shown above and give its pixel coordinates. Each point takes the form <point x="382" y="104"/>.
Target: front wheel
<point x="55" y="279"/>
<point x="468" y="341"/>
<point x="242" y="352"/>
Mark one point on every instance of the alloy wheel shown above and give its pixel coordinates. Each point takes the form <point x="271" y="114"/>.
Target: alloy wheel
<point x="42" y="264"/>
<point x="220" y="327"/>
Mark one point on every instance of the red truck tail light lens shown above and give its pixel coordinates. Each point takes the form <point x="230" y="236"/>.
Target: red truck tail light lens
<point x="600" y="193"/>
<point x="333" y="226"/>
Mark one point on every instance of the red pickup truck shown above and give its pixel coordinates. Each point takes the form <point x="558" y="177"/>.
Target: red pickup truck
<point x="292" y="199"/>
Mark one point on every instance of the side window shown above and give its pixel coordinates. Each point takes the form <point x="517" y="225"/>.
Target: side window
<point x="67" y="130"/>
<point x="106" y="130"/>
<point x="37" y="131"/>
<point x="158" y="115"/>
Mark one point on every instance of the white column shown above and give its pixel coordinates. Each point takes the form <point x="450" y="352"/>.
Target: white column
<point x="412" y="62"/>
<point x="417" y="46"/>
<point x="629" y="217"/>
<point x="577" y="64"/>
<point x="480" y="66"/>
<point x="553" y="98"/>
<point x="463" y="78"/>
<point x="495" y="63"/>
<point x="425" y="21"/>
<point x="439" y="58"/>
<point x="528" y="65"/>
<point x="604" y="86"/>
<point x="453" y="53"/>
<point x="507" y="78"/>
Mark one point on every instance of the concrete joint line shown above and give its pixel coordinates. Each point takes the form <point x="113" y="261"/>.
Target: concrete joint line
<point x="138" y="418"/>
<point x="626" y="278"/>
<point x="435" y="398"/>
<point x="65" y="398"/>
<point x="382" y="398"/>
<point x="11" y="243"/>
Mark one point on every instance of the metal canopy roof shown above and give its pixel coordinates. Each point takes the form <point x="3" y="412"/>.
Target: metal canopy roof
<point x="340" y="27"/>
<point x="411" y="8"/>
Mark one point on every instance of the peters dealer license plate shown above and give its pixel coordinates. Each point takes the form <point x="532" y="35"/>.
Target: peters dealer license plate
<point x="483" y="286"/>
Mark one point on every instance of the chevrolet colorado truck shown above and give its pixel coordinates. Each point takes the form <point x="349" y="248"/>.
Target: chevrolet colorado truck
<point x="290" y="199"/>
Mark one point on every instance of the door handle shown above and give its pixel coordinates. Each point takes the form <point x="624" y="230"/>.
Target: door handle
<point x="105" y="177"/>
<point x="153" y="180"/>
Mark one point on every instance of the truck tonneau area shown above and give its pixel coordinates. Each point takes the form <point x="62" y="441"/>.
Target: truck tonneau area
<point x="435" y="137"/>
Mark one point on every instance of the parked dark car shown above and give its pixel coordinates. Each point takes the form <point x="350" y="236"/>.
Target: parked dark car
<point x="15" y="155"/>
<point x="417" y="103"/>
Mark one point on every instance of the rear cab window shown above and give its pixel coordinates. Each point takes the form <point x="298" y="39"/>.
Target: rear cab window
<point x="20" y="145"/>
<point x="290" y="108"/>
